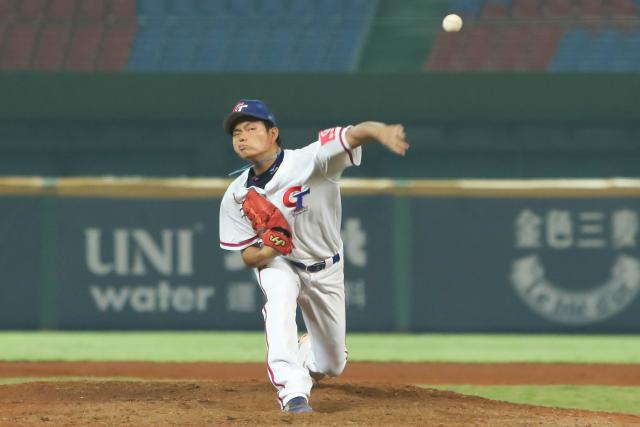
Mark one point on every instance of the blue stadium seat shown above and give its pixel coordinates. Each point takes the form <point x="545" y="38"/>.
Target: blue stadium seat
<point x="212" y="51"/>
<point x="600" y="53"/>
<point x="244" y="54"/>
<point x="179" y="35"/>
<point x="181" y="49"/>
<point x="243" y="8"/>
<point x="278" y="49"/>
<point x="466" y="7"/>
<point x="273" y="8"/>
<point x="361" y="9"/>
<point x="312" y="51"/>
<point x="326" y="8"/>
<point x="214" y="8"/>
<point x="183" y="8"/>
<point x="148" y="47"/>
<point x="151" y="8"/>
<point x="627" y="60"/>
<point x="342" y="54"/>
<point x="573" y="46"/>
<point x="299" y="8"/>
<point x="634" y="48"/>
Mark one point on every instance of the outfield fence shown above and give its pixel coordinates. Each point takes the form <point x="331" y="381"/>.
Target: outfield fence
<point x="436" y="256"/>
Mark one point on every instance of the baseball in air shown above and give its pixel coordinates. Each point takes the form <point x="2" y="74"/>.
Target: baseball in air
<point x="452" y="23"/>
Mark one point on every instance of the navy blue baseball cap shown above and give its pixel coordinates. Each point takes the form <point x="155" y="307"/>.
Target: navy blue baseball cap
<point x="248" y="108"/>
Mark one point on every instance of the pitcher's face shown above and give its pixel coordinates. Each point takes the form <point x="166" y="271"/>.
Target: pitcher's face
<point x="252" y="140"/>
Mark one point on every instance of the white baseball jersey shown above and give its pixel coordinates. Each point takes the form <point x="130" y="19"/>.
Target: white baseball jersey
<point x="305" y="188"/>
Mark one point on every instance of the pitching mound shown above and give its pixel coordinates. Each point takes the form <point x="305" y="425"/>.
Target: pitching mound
<point x="197" y="394"/>
<point x="191" y="403"/>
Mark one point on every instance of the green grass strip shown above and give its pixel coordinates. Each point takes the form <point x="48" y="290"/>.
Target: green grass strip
<point x="495" y="348"/>
<point x="589" y="397"/>
<point x="250" y="347"/>
<point x="133" y="346"/>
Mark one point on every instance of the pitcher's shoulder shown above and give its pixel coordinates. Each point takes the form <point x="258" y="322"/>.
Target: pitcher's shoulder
<point x="236" y="191"/>
<point x="304" y="153"/>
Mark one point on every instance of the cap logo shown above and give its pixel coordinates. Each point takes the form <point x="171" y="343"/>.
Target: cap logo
<point x="239" y="106"/>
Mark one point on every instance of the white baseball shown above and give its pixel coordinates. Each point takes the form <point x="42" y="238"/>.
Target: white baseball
<point x="452" y="23"/>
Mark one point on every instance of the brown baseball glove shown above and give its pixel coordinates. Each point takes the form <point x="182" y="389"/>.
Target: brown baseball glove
<point x="268" y="222"/>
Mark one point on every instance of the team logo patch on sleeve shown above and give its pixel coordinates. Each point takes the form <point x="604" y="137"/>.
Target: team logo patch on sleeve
<point x="327" y="135"/>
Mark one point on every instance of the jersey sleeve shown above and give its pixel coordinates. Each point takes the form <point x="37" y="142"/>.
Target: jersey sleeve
<point x="236" y="232"/>
<point x="334" y="154"/>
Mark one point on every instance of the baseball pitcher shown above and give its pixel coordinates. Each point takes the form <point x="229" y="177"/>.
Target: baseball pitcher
<point x="283" y="213"/>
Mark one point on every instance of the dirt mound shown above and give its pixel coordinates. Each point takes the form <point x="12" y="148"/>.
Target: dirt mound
<point x="250" y="402"/>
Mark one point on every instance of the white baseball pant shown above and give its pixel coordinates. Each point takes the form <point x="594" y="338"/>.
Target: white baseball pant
<point x="321" y="297"/>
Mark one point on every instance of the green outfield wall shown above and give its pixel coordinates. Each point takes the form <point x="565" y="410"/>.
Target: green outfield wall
<point x="423" y="256"/>
<point x="417" y="97"/>
<point x="493" y="125"/>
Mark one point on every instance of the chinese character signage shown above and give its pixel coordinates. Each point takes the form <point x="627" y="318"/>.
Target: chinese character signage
<point x="576" y="236"/>
<point x="520" y="265"/>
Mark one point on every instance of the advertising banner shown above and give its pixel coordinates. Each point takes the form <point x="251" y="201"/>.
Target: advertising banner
<point x="20" y="261"/>
<point x="526" y="265"/>
<point x="156" y="264"/>
<point x="369" y="273"/>
<point x="140" y="264"/>
<point x="414" y="263"/>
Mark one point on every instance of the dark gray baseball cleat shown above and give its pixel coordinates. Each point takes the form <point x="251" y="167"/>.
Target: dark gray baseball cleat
<point x="297" y="405"/>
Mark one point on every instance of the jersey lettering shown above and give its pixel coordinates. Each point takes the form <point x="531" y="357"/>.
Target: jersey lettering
<point x="297" y="192"/>
<point x="327" y="135"/>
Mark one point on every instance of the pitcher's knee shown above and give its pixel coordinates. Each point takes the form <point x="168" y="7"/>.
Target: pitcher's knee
<point x="335" y="371"/>
<point x="334" y="367"/>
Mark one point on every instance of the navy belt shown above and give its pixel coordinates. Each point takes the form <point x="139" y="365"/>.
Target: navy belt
<point x="318" y="266"/>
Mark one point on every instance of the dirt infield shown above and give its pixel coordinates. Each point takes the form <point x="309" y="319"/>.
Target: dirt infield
<point x="196" y="394"/>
